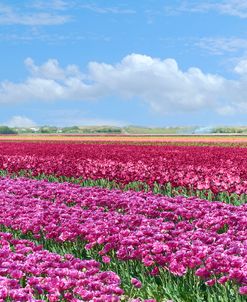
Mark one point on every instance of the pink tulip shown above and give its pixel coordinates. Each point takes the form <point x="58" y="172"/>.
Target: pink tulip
<point x="136" y="283"/>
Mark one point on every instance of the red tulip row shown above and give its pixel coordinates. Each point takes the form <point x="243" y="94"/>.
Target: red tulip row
<point x="204" y="168"/>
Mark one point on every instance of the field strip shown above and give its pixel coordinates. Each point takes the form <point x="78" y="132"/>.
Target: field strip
<point x="183" y="236"/>
<point x="183" y="140"/>
<point x="166" y="190"/>
<point x="170" y="222"/>
<point x="210" y="172"/>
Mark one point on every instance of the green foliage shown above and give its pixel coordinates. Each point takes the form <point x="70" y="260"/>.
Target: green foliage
<point x="230" y="130"/>
<point x="7" y="130"/>
<point x="108" y="130"/>
<point x="100" y="130"/>
<point x="73" y="129"/>
<point x="44" y="130"/>
<point x="152" y="130"/>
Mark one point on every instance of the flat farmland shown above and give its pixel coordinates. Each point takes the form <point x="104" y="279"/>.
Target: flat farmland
<point x="108" y="219"/>
<point x="214" y="138"/>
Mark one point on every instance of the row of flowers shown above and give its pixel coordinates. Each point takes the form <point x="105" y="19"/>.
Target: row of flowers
<point x="204" y="168"/>
<point x="175" y="234"/>
<point x="29" y="273"/>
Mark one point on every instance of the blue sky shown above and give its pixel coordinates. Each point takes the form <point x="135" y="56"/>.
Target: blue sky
<point x="152" y="62"/>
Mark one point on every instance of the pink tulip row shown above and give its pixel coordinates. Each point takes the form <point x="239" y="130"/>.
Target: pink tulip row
<point x="215" y="168"/>
<point x="176" y="234"/>
<point x="27" y="271"/>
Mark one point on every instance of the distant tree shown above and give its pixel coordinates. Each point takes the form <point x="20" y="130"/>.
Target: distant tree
<point x="44" y="130"/>
<point x="7" y="130"/>
<point x="228" y="130"/>
<point x="108" y="130"/>
<point x="73" y="129"/>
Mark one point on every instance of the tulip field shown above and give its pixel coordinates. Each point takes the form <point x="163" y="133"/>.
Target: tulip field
<point x="122" y="222"/>
<point x="218" y="173"/>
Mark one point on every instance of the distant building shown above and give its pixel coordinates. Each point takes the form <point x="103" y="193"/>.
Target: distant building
<point x="35" y="129"/>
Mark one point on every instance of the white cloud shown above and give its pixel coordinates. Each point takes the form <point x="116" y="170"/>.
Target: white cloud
<point x="237" y="8"/>
<point x="222" y="45"/>
<point x="77" y="4"/>
<point x="160" y="84"/>
<point x="233" y="7"/>
<point x="32" y="34"/>
<point x="20" y="121"/>
<point x="11" y="16"/>
<point x="106" y="10"/>
<point x="52" y="4"/>
<point x="52" y="70"/>
<point x="241" y="67"/>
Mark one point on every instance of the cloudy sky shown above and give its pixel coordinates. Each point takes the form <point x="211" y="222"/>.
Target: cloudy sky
<point x="120" y="62"/>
